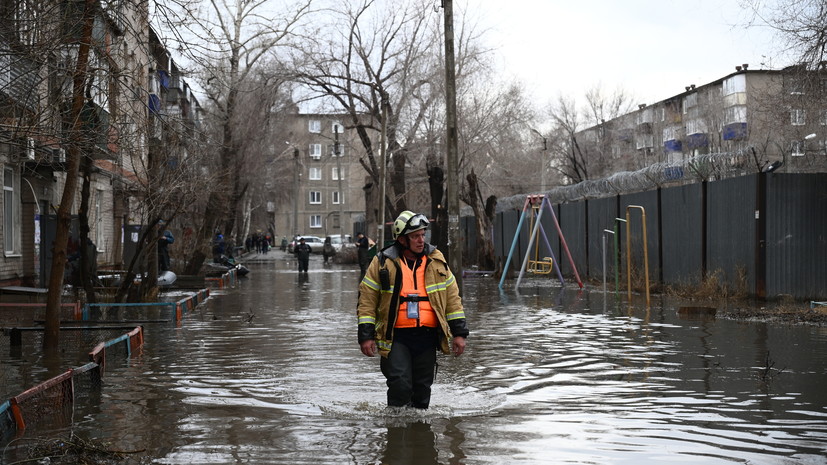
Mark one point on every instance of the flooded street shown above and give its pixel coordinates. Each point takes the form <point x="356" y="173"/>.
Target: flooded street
<point x="270" y="372"/>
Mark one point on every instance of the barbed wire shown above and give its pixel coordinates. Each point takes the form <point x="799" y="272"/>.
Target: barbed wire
<point x="690" y="170"/>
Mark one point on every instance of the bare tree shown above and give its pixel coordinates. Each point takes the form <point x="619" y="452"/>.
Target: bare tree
<point x="588" y="155"/>
<point x="800" y="24"/>
<point x="236" y="37"/>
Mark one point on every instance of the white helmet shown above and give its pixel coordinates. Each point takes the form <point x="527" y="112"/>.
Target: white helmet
<point x="408" y="222"/>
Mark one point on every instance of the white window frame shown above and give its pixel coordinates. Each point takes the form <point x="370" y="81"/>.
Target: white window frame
<point x="314" y="126"/>
<point x="823" y="119"/>
<point x="735" y="84"/>
<point x="315" y="151"/>
<point x="99" y="236"/>
<point x="332" y="148"/>
<point x="11" y="223"/>
<point x="337" y="125"/>
<point x="315" y="221"/>
<point x="334" y="173"/>
<point x="315" y="198"/>
<point x="798" y="117"/>
<point x="644" y="116"/>
<point x="797" y="148"/>
<point x="735" y="114"/>
<point x="336" y="198"/>
<point x="315" y="174"/>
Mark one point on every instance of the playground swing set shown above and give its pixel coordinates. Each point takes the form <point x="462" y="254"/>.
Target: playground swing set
<point x="533" y="209"/>
<point x="533" y="263"/>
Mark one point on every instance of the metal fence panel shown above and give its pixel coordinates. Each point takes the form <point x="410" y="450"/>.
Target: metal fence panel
<point x="508" y="221"/>
<point x="796" y="235"/>
<point x="573" y="224"/>
<point x="602" y="214"/>
<point x="468" y="235"/>
<point x="551" y="233"/>
<point x="649" y="201"/>
<point x="682" y="234"/>
<point x="730" y="230"/>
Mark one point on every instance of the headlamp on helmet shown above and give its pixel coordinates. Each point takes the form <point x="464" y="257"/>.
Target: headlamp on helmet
<point x="408" y="222"/>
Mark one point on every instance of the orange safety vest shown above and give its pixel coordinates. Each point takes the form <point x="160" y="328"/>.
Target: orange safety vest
<point x="413" y="282"/>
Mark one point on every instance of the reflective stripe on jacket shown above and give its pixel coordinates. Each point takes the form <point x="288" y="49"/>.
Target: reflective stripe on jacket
<point x="375" y="317"/>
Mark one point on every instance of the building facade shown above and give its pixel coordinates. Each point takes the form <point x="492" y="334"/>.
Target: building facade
<point x="327" y="194"/>
<point x="38" y="56"/>
<point x="780" y="116"/>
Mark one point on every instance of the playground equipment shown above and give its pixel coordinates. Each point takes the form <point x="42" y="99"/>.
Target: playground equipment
<point x="533" y="208"/>
<point x="629" y="248"/>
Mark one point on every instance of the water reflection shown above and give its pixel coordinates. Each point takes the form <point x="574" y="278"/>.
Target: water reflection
<point x="551" y="375"/>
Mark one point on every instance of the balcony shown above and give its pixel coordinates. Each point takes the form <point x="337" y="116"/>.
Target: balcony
<point x="96" y="122"/>
<point x="18" y="81"/>
<point x="735" y="131"/>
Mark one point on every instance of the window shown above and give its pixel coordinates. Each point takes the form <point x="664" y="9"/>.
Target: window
<point x="315" y="221"/>
<point x="644" y="116"/>
<point x="99" y="236"/>
<point x="10" y="227"/>
<point x="315" y="174"/>
<point x="337" y="198"/>
<point x="735" y="84"/>
<point x="27" y="17"/>
<point x="314" y="125"/>
<point x="315" y="197"/>
<point x="823" y="119"/>
<point x="315" y="151"/>
<point x="334" y="173"/>
<point x="798" y="117"/>
<point x="797" y="149"/>
<point x="670" y="133"/>
<point x="735" y="114"/>
<point x="331" y="149"/>
<point x="690" y="101"/>
<point x="336" y="127"/>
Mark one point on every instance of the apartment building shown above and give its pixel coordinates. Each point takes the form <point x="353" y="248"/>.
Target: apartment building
<point x="327" y="179"/>
<point x="778" y="116"/>
<point x="38" y="54"/>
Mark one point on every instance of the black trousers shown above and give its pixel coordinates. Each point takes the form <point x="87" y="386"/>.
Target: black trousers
<point x="410" y="368"/>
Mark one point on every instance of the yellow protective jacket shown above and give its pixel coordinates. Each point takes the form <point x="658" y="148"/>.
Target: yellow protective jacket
<point x="379" y="298"/>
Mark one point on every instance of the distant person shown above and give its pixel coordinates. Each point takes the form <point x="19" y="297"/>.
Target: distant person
<point x="362" y="254"/>
<point x="218" y="246"/>
<point x="327" y="249"/>
<point x="409" y="306"/>
<point x="302" y="251"/>
<point x="164" y="241"/>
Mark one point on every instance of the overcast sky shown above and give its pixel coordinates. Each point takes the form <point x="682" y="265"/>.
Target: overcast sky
<point x="650" y="48"/>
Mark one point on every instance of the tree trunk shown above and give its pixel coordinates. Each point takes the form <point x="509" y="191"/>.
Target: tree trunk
<point x="439" y="230"/>
<point x="87" y="261"/>
<point x="484" y="216"/>
<point x="51" y="336"/>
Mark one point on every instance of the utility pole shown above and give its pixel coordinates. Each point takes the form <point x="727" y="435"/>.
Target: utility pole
<point x="452" y="179"/>
<point x="295" y="192"/>
<point x="542" y="160"/>
<point x="380" y="230"/>
<point x="337" y="153"/>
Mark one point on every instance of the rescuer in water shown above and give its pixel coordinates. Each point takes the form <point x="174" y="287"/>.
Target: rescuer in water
<point x="409" y="305"/>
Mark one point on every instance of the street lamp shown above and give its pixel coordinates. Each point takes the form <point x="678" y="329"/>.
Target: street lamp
<point x="296" y="173"/>
<point x="542" y="159"/>
<point x="338" y="155"/>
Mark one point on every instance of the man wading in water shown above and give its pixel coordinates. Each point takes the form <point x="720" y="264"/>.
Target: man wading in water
<point x="409" y="305"/>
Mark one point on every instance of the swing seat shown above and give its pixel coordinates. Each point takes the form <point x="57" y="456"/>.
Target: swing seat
<point x="543" y="266"/>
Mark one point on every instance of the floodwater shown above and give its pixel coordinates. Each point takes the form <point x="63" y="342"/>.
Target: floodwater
<point x="270" y="373"/>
